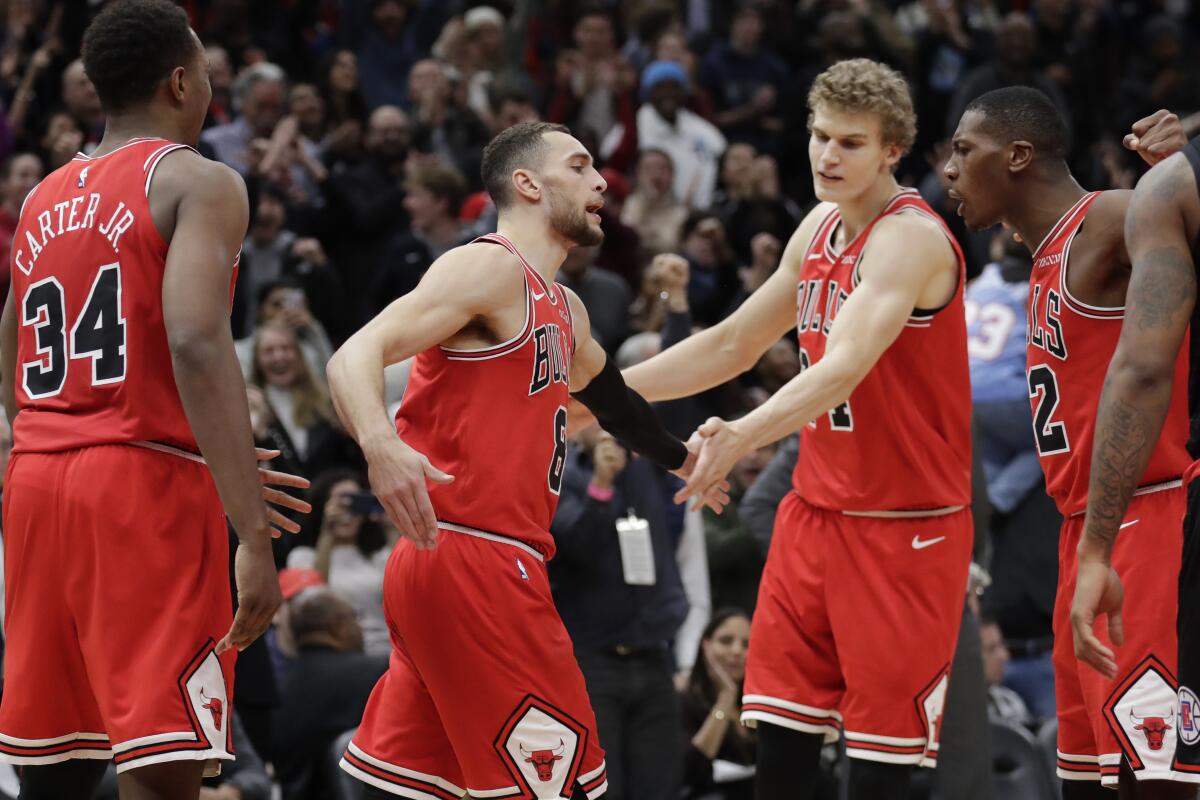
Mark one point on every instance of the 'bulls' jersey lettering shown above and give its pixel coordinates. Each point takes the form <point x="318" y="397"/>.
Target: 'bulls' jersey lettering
<point x="1069" y="345"/>
<point x="552" y="355"/>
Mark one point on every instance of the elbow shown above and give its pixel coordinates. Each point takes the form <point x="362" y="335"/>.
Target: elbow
<point x="191" y="349"/>
<point x="1141" y="374"/>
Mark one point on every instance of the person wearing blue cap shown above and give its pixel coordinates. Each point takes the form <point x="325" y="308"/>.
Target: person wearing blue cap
<point x="694" y="144"/>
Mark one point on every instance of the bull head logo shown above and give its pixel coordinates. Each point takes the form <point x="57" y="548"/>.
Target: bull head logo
<point x="214" y="706"/>
<point x="1154" y="727"/>
<point x="543" y="760"/>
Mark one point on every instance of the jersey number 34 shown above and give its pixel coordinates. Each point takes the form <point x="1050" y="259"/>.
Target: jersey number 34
<point x="97" y="334"/>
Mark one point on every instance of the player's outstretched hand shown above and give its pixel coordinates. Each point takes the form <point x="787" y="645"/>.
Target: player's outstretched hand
<point x="398" y="476"/>
<point x="258" y="595"/>
<point x="717" y="497"/>
<point x="720" y="449"/>
<point x="1156" y="137"/>
<point x="274" y="497"/>
<point x="1097" y="591"/>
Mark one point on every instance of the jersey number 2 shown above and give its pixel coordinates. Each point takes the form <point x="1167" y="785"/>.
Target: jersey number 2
<point x="558" y="461"/>
<point x="1051" y="436"/>
<point x="98" y="333"/>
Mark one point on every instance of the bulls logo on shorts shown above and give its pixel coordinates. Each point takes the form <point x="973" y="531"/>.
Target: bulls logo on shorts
<point x="543" y="748"/>
<point x="1142" y="714"/>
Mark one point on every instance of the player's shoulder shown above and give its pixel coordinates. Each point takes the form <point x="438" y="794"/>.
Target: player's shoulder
<point x="918" y="225"/>
<point x="476" y="269"/>
<point x="184" y="171"/>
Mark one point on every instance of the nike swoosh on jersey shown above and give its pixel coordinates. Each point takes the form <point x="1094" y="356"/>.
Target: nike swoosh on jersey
<point x="917" y="544"/>
<point x="538" y="295"/>
<point x="1125" y="525"/>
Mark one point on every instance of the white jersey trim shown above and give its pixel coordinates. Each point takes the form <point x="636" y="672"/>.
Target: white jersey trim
<point x="166" y="448"/>
<point x="130" y="143"/>
<point x="934" y="512"/>
<point x="491" y="537"/>
<point x="157" y="156"/>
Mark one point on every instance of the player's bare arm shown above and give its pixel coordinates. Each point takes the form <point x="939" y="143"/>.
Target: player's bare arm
<point x="1159" y="227"/>
<point x="914" y="266"/>
<point x="471" y="296"/>
<point x="734" y="345"/>
<point x="200" y="207"/>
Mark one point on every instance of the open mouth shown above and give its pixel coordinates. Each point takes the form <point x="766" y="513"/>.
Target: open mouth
<point x="827" y="177"/>
<point x="593" y="211"/>
<point x="956" y="197"/>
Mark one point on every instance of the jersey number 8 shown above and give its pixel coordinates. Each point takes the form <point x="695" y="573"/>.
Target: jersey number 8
<point x="98" y="333"/>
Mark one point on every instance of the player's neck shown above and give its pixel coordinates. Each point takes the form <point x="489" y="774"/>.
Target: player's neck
<point x="1035" y="215"/>
<point x="534" y="239"/>
<point x="121" y="128"/>
<point x="859" y="212"/>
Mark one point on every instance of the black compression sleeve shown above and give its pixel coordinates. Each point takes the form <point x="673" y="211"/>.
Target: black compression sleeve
<point x="627" y="416"/>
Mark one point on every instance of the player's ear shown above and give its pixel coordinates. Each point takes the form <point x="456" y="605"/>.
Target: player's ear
<point x="527" y="185"/>
<point x="1020" y="155"/>
<point x="175" y="83"/>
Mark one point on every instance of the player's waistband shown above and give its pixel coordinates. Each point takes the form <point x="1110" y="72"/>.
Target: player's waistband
<point x="915" y="514"/>
<point x="159" y="447"/>
<point x="491" y="536"/>
<point x="1149" y="488"/>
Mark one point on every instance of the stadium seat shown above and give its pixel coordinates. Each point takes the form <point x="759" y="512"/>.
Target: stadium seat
<point x="1019" y="769"/>
<point x="345" y="787"/>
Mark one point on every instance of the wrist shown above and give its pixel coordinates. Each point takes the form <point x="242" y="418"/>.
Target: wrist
<point x="1093" y="548"/>
<point x="599" y="490"/>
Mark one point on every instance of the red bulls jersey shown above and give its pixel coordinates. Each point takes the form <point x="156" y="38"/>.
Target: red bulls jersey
<point x="1069" y="346"/>
<point x="902" y="442"/>
<point x="93" y="365"/>
<point x="496" y="419"/>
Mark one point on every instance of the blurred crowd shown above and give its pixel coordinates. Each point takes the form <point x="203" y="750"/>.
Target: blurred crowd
<point x="359" y="126"/>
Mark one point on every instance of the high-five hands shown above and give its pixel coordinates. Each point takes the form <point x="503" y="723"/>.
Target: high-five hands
<point x="716" y="446"/>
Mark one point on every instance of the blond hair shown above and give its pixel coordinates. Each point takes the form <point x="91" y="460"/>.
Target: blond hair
<point x="311" y="398"/>
<point x="861" y="84"/>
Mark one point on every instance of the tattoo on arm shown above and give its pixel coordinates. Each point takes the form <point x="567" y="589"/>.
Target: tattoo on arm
<point x="1166" y="285"/>
<point x="1125" y="437"/>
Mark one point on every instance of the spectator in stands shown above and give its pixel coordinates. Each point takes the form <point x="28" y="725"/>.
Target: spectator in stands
<point x="622" y="601"/>
<point x="605" y="296"/>
<point x="346" y="542"/>
<point x="996" y="321"/>
<point x="1004" y="704"/>
<point x="759" y="207"/>
<point x="259" y="93"/>
<point x="719" y="752"/>
<point x="592" y="90"/>
<point x="61" y="140"/>
<point x="82" y="103"/>
<point x="652" y="208"/>
<point x="366" y="206"/>
<point x="745" y="82"/>
<point x="220" y="77"/>
<point x="345" y="107"/>
<point x="298" y="401"/>
<point x="765" y="252"/>
<point x="1016" y="48"/>
<point x="453" y="131"/>
<point x="323" y="695"/>
<point x="713" y="267"/>
<point x="284" y="300"/>
<point x="694" y="144"/>
<point x="395" y="36"/>
<point x="18" y="176"/>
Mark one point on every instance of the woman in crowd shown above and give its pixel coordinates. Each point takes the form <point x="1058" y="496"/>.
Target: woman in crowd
<point x="720" y="752"/>
<point x="346" y="542"/>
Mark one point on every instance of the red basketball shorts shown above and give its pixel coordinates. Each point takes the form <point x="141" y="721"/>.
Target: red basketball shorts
<point x="855" y="628"/>
<point x="1101" y="720"/>
<point x="116" y="569"/>
<point x="482" y="694"/>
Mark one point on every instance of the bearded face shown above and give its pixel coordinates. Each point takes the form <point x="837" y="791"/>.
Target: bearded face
<point x="570" y="220"/>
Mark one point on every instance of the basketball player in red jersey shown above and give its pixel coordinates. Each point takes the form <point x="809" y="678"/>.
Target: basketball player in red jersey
<point x="483" y="695"/>
<point x="863" y="591"/>
<point x="1008" y="165"/>
<point x="131" y="434"/>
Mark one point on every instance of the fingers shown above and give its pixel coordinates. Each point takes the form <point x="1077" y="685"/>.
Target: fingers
<point x="436" y="475"/>
<point x="1131" y="141"/>
<point x="1089" y="648"/>
<point x="270" y="476"/>
<point x="710" y="426"/>
<point x="422" y="520"/>
<point x="280" y="521"/>
<point x="285" y="500"/>
<point x="1146" y="123"/>
<point x="248" y="624"/>
<point x="263" y="454"/>
<point x="426" y="515"/>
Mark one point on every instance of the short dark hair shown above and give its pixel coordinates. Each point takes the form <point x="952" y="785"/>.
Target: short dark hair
<point x="1020" y="113"/>
<point x="444" y="183"/>
<point x="317" y="613"/>
<point x="519" y="147"/>
<point x="131" y="46"/>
